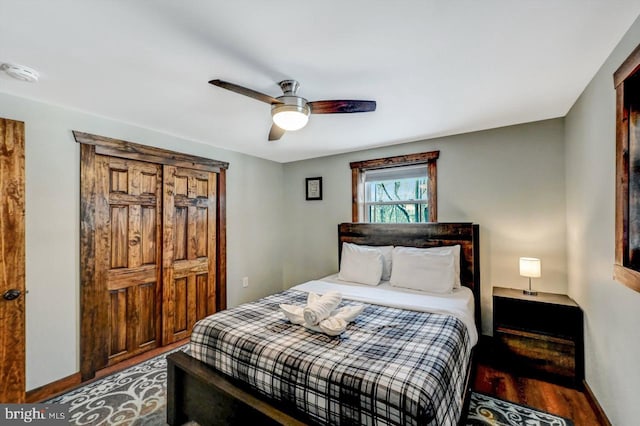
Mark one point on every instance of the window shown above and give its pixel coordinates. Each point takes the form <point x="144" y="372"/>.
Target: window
<point x="396" y="195"/>
<point x="398" y="189"/>
<point x="627" y="255"/>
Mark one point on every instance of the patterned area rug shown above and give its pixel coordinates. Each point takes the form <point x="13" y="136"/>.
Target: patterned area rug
<point x="136" y="396"/>
<point x="486" y="410"/>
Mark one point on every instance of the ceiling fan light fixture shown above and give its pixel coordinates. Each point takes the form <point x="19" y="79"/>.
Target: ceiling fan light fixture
<point x="291" y="112"/>
<point x="290" y="120"/>
<point x="291" y="117"/>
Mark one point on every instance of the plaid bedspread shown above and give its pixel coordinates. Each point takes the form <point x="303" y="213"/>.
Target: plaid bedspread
<point x="390" y="367"/>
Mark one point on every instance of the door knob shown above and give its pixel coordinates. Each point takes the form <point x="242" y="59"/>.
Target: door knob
<point x="11" y="294"/>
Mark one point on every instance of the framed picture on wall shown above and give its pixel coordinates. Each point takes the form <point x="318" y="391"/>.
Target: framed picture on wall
<point x="314" y="188"/>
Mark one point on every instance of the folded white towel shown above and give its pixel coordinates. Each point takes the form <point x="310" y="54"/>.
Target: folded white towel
<point x="321" y="308"/>
<point x="312" y="297"/>
<point x="333" y="326"/>
<point x="347" y="313"/>
<point x="293" y="313"/>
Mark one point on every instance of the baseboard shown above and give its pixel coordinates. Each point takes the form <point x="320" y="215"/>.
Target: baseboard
<point x="591" y="398"/>
<point x="139" y="358"/>
<point x="68" y="383"/>
<point x="54" y="388"/>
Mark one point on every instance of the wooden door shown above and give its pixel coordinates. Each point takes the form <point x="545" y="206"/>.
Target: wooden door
<point x="12" y="263"/>
<point x="128" y="260"/>
<point x="189" y="249"/>
<point x="122" y="300"/>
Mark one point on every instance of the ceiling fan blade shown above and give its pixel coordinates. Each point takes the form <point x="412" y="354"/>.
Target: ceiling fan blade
<point x="341" y="106"/>
<point x="275" y="133"/>
<point x="245" y="91"/>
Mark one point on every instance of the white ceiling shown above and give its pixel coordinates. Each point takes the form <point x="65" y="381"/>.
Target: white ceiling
<point x="435" y="67"/>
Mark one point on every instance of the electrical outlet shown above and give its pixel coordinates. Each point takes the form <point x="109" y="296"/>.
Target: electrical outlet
<point x="245" y="282"/>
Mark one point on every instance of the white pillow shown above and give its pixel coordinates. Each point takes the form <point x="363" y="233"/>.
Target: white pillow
<point x="456" y="258"/>
<point x="360" y="264"/>
<point x="455" y="250"/>
<point x="423" y="269"/>
<point x="386" y="260"/>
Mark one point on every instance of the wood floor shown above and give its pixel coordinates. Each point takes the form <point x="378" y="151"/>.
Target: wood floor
<point x="562" y="401"/>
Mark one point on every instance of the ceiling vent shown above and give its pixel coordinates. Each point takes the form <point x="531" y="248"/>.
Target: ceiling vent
<point x="20" y="72"/>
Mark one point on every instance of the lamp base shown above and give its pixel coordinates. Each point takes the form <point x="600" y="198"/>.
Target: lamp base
<point x="530" y="292"/>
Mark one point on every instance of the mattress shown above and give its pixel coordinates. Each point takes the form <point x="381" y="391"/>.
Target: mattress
<point x="392" y="366"/>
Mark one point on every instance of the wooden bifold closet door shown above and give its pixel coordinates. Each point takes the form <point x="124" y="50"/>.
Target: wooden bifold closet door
<point x="128" y="253"/>
<point x="152" y="228"/>
<point x="189" y="250"/>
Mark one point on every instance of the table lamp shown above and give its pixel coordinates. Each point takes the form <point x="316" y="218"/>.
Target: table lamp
<point x="530" y="267"/>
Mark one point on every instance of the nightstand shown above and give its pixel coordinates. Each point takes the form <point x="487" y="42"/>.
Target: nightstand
<point x="540" y="336"/>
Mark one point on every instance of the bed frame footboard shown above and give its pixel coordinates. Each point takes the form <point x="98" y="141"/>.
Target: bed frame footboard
<point x="196" y="392"/>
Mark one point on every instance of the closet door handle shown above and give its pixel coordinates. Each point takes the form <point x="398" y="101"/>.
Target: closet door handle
<point x="11" y="294"/>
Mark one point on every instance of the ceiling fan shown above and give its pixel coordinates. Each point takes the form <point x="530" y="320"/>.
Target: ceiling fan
<point x="290" y="111"/>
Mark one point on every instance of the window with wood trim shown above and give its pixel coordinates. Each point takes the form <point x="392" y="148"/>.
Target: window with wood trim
<point x="627" y="256"/>
<point x="399" y="189"/>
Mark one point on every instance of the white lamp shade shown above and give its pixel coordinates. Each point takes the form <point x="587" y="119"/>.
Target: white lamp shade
<point x="290" y="120"/>
<point x="530" y="267"/>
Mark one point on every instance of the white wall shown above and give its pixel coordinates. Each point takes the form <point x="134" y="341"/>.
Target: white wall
<point x="508" y="180"/>
<point x="254" y="225"/>
<point x="612" y="311"/>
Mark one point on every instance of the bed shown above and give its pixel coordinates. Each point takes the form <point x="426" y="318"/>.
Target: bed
<point x="372" y="374"/>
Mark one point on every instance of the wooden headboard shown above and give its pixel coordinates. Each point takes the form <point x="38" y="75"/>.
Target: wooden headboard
<point x="423" y="235"/>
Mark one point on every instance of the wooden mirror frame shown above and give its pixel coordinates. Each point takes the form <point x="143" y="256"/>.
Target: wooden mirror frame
<point x="626" y="268"/>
